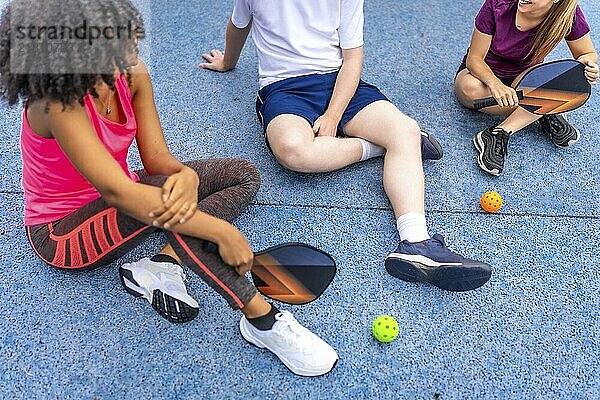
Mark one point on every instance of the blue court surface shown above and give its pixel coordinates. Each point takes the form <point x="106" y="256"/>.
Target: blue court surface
<point x="532" y="332"/>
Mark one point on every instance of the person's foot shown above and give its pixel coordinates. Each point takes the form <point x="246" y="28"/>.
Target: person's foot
<point x="432" y="262"/>
<point x="303" y="352"/>
<point x="492" y="145"/>
<point x="162" y="284"/>
<point x="430" y="147"/>
<point x="561" y="132"/>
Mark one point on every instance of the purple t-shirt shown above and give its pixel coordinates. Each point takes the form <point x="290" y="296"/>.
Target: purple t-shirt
<point x="507" y="56"/>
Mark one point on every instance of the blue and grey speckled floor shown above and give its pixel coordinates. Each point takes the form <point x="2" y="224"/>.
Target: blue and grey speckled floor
<point x="532" y="332"/>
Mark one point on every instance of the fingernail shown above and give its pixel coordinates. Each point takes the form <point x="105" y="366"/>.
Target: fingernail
<point x="155" y="223"/>
<point x="167" y="226"/>
<point x="164" y="198"/>
<point x="151" y="215"/>
<point x="182" y="221"/>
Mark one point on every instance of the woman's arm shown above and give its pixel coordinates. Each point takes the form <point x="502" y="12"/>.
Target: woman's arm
<point x="75" y="134"/>
<point x="235" y="38"/>
<point x="583" y="50"/>
<point x="150" y="138"/>
<point x="480" y="45"/>
<point x="345" y="88"/>
<point x="180" y="191"/>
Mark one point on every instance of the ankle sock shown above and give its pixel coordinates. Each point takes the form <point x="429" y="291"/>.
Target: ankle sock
<point x="370" y="150"/>
<point x="412" y="227"/>
<point x="265" y="322"/>
<point x="164" y="258"/>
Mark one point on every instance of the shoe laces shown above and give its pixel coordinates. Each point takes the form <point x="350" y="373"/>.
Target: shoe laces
<point x="555" y="125"/>
<point x="438" y="241"/>
<point x="501" y="142"/>
<point x="291" y="330"/>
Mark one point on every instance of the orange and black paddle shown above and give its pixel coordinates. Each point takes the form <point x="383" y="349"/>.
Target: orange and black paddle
<point x="549" y="88"/>
<point x="293" y="273"/>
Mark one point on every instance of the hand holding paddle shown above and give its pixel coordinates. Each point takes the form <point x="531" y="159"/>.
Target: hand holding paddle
<point x="549" y="88"/>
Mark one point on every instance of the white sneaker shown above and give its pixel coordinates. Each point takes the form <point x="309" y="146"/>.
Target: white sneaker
<point x="162" y="284"/>
<point x="303" y="352"/>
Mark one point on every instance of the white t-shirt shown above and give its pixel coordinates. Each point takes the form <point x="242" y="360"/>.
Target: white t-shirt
<point x="300" y="37"/>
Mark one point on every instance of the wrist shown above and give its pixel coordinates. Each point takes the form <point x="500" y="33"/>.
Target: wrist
<point x="228" y="64"/>
<point x="334" y="114"/>
<point x="222" y="231"/>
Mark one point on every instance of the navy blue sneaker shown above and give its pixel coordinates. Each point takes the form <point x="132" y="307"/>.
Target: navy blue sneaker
<point x="430" y="147"/>
<point x="432" y="262"/>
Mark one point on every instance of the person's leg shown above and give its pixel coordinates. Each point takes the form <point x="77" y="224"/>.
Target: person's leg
<point x="235" y="179"/>
<point x="96" y="235"/>
<point x="90" y="237"/>
<point x="492" y="142"/>
<point x="295" y="146"/>
<point x="263" y="324"/>
<point x="418" y="257"/>
<point x="468" y="88"/>
<point x="383" y="124"/>
<point x="226" y="187"/>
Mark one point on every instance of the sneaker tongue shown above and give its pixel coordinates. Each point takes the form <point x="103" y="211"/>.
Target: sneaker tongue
<point x="439" y="238"/>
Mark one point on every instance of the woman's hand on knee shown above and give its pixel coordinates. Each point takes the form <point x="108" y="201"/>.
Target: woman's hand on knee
<point x="180" y="199"/>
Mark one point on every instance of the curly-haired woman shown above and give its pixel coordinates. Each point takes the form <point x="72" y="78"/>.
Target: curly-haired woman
<point x="86" y="98"/>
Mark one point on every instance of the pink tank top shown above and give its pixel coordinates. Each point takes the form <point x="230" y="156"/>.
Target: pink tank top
<point x="53" y="187"/>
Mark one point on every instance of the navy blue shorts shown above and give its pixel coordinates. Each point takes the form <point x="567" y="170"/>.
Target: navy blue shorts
<point x="308" y="97"/>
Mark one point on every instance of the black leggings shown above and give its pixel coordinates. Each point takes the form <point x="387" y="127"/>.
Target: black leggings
<point x="97" y="234"/>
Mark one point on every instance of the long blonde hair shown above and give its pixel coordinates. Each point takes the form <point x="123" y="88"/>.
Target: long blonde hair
<point x="554" y="28"/>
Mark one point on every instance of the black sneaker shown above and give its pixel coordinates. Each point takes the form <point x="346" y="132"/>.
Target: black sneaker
<point x="560" y="131"/>
<point x="492" y="145"/>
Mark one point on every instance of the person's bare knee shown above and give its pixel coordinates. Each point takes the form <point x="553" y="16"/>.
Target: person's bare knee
<point x="290" y="138"/>
<point x="468" y="89"/>
<point x="292" y="154"/>
<point x="404" y="136"/>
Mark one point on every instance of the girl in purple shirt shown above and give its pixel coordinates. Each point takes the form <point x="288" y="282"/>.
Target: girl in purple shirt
<point x="510" y="36"/>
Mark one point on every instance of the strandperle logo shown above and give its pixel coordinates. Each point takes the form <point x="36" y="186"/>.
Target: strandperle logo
<point x="84" y="32"/>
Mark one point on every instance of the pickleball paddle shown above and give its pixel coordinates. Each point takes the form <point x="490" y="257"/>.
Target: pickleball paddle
<point x="292" y="273"/>
<point x="549" y="88"/>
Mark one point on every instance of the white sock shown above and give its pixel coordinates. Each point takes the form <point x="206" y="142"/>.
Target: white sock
<point x="412" y="227"/>
<point x="370" y="150"/>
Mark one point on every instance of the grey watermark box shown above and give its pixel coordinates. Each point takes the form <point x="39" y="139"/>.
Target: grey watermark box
<point x="73" y="38"/>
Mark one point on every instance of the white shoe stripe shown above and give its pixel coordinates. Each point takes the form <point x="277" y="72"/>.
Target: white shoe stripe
<point x="419" y="259"/>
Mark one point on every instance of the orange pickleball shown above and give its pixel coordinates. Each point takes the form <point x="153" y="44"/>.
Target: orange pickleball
<point x="491" y="202"/>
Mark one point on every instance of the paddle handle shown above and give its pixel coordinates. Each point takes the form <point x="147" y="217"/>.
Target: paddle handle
<point x="490" y="101"/>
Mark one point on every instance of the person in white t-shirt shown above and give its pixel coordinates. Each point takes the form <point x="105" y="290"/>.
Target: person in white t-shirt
<point x="318" y="116"/>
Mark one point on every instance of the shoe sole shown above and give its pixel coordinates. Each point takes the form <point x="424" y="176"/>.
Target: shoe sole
<point x="454" y="278"/>
<point x="479" y="147"/>
<point x="258" y="344"/>
<point x="168" y="307"/>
